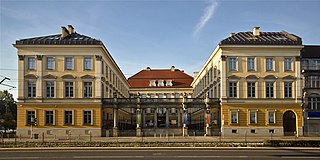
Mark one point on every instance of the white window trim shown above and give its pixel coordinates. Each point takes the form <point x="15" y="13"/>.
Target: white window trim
<point x="236" y="67"/>
<point x="35" y="63"/>
<point x="28" y="81"/>
<point x="254" y="65"/>
<point x="54" y="63"/>
<point x="84" y="67"/>
<point x="291" y="65"/>
<point x="255" y="88"/>
<point x="65" y="61"/>
<point x="73" y="118"/>
<point x="35" y="115"/>
<point x="292" y="88"/>
<point x="92" y="88"/>
<point x="54" y="88"/>
<point x="53" y="120"/>
<point x="152" y="83"/>
<point x="273" y="64"/>
<point x="274" y="115"/>
<point x="91" y="117"/>
<point x="230" y="117"/>
<point x="237" y="85"/>
<point x="274" y="88"/>
<point x="64" y="88"/>
<point x="256" y="115"/>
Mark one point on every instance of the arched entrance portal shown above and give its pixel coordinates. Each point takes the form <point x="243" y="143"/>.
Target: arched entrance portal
<point x="289" y="123"/>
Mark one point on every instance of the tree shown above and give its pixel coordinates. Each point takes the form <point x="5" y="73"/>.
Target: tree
<point x="8" y="110"/>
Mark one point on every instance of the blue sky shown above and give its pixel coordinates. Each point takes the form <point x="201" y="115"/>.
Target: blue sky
<point x="159" y="34"/>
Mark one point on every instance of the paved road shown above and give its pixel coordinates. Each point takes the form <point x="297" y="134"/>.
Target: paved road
<point x="154" y="154"/>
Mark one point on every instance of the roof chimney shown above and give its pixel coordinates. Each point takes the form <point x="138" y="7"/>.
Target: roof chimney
<point x="148" y="68"/>
<point x="70" y="29"/>
<point x="172" y="68"/>
<point x="64" y="32"/>
<point x="232" y="34"/>
<point x="256" y="31"/>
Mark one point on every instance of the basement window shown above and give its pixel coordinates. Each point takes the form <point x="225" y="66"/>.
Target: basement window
<point x="253" y="131"/>
<point x="271" y="130"/>
<point x="234" y="131"/>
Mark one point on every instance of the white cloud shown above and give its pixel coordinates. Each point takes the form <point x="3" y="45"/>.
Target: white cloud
<point x="207" y="14"/>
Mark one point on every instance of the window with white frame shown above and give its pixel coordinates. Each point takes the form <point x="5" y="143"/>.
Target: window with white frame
<point x="234" y="116"/>
<point x="253" y="116"/>
<point x="87" y="89"/>
<point x="68" y="88"/>
<point x="168" y="95"/>
<point x="87" y="117"/>
<point x="151" y="95"/>
<point x="160" y="95"/>
<point x="269" y="89"/>
<point x="31" y="89"/>
<point x="251" y="64"/>
<point x="49" y="89"/>
<point x="68" y="64"/>
<point x="169" y="83"/>
<point x="288" y="64"/>
<point x="160" y="83"/>
<point x="314" y="103"/>
<point x="177" y="95"/>
<point x="143" y="95"/>
<point x="87" y="63"/>
<point x="313" y="81"/>
<point x="251" y="89"/>
<point x="272" y="117"/>
<point x="31" y="63"/>
<point x="232" y="89"/>
<point x="68" y="117"/>
<point x="232" y="63"/>
<point x="50" y="63"/>
<point x="49" y="117"/>
<point x="269" y="64"/>
<point x="152" y="83"/>
<point x="287" y="89"/>
<point x="30" y="115"/>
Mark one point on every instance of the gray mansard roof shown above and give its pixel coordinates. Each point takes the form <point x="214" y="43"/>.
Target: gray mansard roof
<point x="265" y="38"/>
<point x="70" y="39"/>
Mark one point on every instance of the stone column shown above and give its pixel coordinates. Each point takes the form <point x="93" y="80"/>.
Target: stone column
<point x="115" y="122"/>
<point x="98" y="75"/>
<point x="138" y="119"/>
<point x="39" y="74"/>
<point x="167" y="118"/>
<point x="21" y="69"/>
<point x="223" y="81"/>
<point x="207" y="117"/>
<point x="185" y="116"/>
<point x="155" y="118"/>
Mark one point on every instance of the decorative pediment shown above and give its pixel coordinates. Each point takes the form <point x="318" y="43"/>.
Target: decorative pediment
<point x="30" y="76"/>
<point x="252" y="77"/>
<point x="233" y="77"/>
<point x="49" y="76"/>
<point x="68" y="76"/>
<point x="270" y="77"/>
<point x="87" y="77"/>
<point x="289" y="77"/>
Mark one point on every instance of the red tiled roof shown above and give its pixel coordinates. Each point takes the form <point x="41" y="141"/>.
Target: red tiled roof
<point x="142" y="78"/>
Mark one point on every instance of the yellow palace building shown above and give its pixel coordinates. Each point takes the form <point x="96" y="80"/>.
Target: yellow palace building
<point x="257" y="77"/>
<point x="62" y="80"/>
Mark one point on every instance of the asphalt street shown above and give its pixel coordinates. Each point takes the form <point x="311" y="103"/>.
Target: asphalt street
<point x="153" y="153"/>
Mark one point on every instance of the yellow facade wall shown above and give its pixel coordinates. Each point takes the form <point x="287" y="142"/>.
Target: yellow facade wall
<point x="59" y="115"/>
<point x="243" y="111"/>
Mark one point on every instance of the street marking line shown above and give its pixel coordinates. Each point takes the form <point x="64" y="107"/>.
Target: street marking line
<point x="19" y="157"/>
<point x="300" y="157"/>
<point x="105" y="157"/>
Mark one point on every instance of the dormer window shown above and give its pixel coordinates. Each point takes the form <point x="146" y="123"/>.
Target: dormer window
<point x="160" y="83"/>
<point x="152" y="83"/>
<point x="169" y="83"/>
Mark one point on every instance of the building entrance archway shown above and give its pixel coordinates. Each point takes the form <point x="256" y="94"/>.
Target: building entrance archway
<point x="289" y="123"/>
